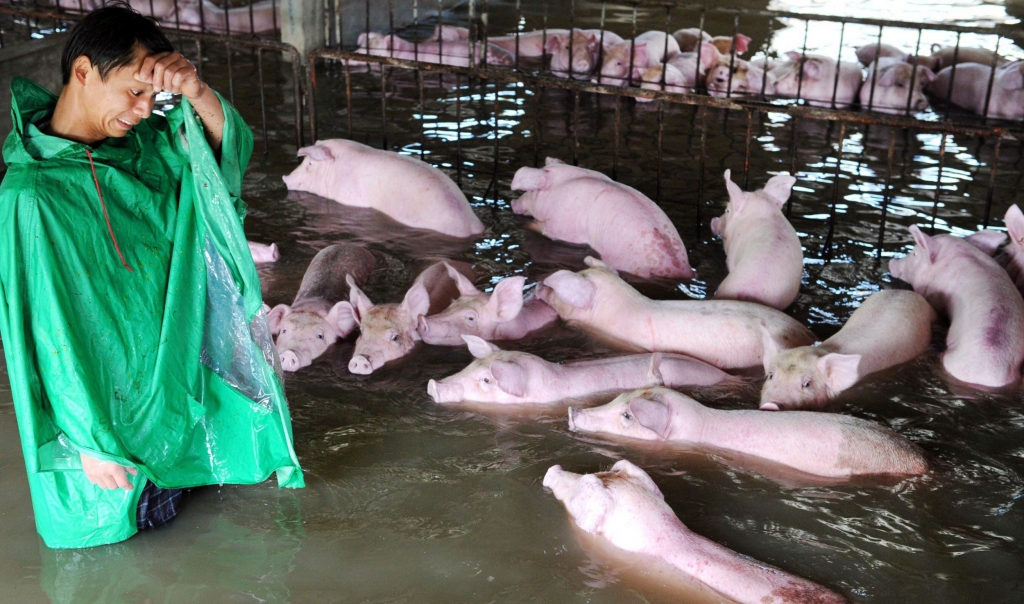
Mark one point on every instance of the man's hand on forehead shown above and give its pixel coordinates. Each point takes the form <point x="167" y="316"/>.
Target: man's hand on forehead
<point x="171" y="72"/>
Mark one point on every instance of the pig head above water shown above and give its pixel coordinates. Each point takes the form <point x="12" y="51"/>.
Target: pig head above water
<point x="320" y="313"/>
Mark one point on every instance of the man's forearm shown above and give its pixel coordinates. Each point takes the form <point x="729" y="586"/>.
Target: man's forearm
<point x="207" y="106"/>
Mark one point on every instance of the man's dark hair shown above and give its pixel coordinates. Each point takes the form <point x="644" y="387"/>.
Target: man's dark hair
<point x="108" y="36"/>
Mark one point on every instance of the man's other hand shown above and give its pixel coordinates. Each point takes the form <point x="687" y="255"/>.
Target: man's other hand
<point x="171" y="72"/>
<point x="107" y="475"/>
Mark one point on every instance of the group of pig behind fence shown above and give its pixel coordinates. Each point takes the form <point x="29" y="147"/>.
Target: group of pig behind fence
<point x="974" y="284"/>
<point x="890" y="81"/>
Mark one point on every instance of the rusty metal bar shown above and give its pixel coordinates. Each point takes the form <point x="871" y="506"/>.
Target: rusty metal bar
<point x="458" y="129"/>
<point x="661" y="142"/>
<point x="827" y="251"/>
<point x="887" y="191"/>
<point x="575" y="127"/>
<point x="384" y="109"/>
<point x="938" y="181"/>
<point x="700" y="174"/>
<point x="746" y="151"/>
<point x="991" y="78"/>
<point x="615" y="147"/>
<point x="263" y="101"/>
<point x="348" y="97"/>
<point x="992" y="182"/>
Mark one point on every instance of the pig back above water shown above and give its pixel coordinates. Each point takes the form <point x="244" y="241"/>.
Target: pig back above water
<point x="324" y="280"/>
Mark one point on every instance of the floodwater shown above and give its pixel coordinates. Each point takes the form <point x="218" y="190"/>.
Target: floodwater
<point x="409" y="501"/>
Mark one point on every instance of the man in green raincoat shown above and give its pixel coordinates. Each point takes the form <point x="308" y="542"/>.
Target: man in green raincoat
<point x="139" y="358"/>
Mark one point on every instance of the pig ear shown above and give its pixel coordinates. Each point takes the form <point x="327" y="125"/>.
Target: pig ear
<point x="708" y="55"/>
<point x="590" y="503"/>
<point x="736" y="194"/>
<point x="342" y="318"/>
<point x="317" y="152"/>
<point x="529" y="179"/>
<point x="793" y="55"/>
<point x="741" y="43"/>
<point x="813" y="69"/>
<point x="275" y="316"/>
<point x="466" y="287"/>
<point x="507" y="298"/>
<point x="361" y="304"/>
<point x="923" y="241"/>
<point x="416" y="301"/>
<point x="778" y="188"/>
<point x="652" y="414"/>
<point x="1014" y="220"/>
<point x="479" y="347"/>
<point x="640" y="54"/>
<point x="1013" y="79"/>
<point x="592" y="262"/>
<point x="511" y="377"/>
<point x="654" y="370"/>
<point x="553" y="161"/>
<point x="571" y="288"/>
<point x="630" y="469"/>
<point x="840" y="370"/>
<point x="554" y="44"/>
<point x="924" y="75"/>
<point x="887" y="77"/>
<point x="770" y="346"/>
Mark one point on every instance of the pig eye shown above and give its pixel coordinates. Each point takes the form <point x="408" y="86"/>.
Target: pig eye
<point x="394" y="337"/>
<point x="320" y="336"/>
<point x="627" y="415"/>
<point x="807" y="384"/>
<point x="726" y="210"/>
<point x="284" y="331"/>
<point x="487" y="380"/>
<point x="470" y="318"/>
<point x="771" y="375"/>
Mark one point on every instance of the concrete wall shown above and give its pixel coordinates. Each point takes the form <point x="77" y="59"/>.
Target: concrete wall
<point x="38" y="60"/>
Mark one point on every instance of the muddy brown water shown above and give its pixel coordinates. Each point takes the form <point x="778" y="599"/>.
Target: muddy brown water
<point x="409" y="501"/>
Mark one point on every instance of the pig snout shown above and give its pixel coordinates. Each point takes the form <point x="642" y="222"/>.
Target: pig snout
<point x="360" y="365"/>
<point x="443" y="392"/>
<point x="291" y="361"/>
<point x="552" y="475"/>
<point x="572" y="423"/>
<point x="769" y="407"/>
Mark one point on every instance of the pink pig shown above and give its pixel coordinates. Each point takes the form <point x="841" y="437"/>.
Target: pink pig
<point x="817" y="80"/>
<point x="887" y="86"/>
<point x="458" y="52"/>
<point x="405" y="188"/>
<point x="577" y="205"/>
<point x="970" y="87"/>
<point x="263" y="253"/>
<point x="725" y="333"/>
<point x="626" y="508"/>
<point x="320" y="314"/>
<point x="822" y="444"/>
<point x="500" y="315"/>
<point x="889" y="328"/>
<point x="388" y="331"/>
<point x="985" y="344"/>
<point x="1007" y="249"/>
<point x="762" y="250"/>
<point x="507" y="377"/>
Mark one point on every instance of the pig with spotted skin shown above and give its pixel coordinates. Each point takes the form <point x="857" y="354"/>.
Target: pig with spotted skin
<point x="724" y="333"/>
<point x="501" y="315"/>
<point x="320" y="313"/>
<point x="408" y="190"/>
<point x="887" y="87"/>
<point x="1007" y="248"/>
<point x="389" y="331"/>
<point x="508" y="377"/>
<point x="985" y="343"/>
<point x="582" y="206"/>
<point x="823" y="444"/>
<point x="626" y="508"/>
<point x="889" y="328"/>
<point x="970" y="88"/>
<point x="762" y="250"/>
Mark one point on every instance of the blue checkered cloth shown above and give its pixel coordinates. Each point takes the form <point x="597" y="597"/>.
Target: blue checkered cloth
<point x="157" y="506"/>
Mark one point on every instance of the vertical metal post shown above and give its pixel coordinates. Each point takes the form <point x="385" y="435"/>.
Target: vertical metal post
<point x="887" y="192"/>
<point x="992" y="180"/>
<point x="827" y="252"/>
<point x="938" y="180"/>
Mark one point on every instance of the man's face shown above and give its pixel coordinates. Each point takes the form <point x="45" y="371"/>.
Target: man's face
<point x="118" y="103"/>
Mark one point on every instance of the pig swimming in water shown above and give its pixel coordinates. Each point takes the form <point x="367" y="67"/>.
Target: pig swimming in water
<point x="508" y="377"/>
<point x="762" y="250"/>
<point x="887" y="87"/>
<point x="626" y="508"/>
<point x="320" y="313"/>
<point x="970" y="88"/>
<point x="388" y="331"/>
<point x="577" y="205"/>
<point x="822" y="444"/>
<point x="889" y="328"/>
<point x="500" y="315"/>
<point x="263" y="253"/>
<point x="405" y="188"/>
<point x="725" y="333"/>
<point x="985" y="344"/>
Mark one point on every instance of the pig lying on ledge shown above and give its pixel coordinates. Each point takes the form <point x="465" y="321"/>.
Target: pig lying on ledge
<point x="823" y="444"/>
<point x="625" y="507"/>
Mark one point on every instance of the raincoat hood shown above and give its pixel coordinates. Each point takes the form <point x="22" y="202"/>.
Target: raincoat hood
<point x="130" y="317"/>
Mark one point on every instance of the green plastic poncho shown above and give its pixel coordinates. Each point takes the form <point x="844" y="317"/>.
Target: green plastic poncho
<point x="168" y="366"/>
